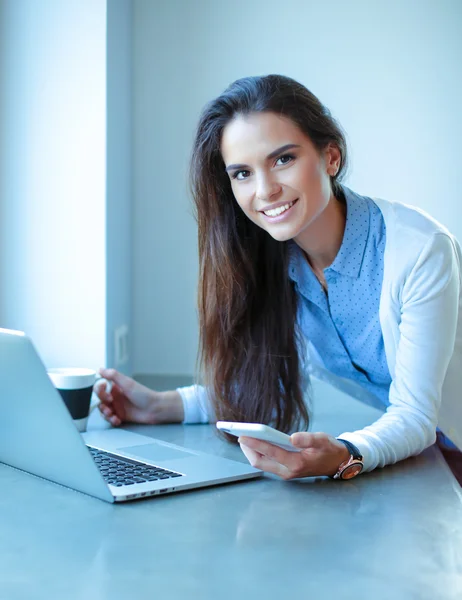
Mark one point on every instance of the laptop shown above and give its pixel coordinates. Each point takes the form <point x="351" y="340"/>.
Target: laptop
<point x="38" y="435"/>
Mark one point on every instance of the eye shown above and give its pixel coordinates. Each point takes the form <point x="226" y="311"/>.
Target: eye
<point x="236" y="173"/>
<point x="286" y="158"/>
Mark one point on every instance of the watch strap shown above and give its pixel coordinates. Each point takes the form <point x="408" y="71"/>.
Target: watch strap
<point x="355" y="453"/>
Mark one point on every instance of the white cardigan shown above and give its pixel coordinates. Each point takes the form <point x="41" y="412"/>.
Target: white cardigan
<point x="421" y="318"/>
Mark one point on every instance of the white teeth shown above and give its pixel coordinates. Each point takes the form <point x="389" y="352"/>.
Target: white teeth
<point x="274" y="212"/>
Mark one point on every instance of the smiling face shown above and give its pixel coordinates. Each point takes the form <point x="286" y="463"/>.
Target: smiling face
<point x="278" y="177"/>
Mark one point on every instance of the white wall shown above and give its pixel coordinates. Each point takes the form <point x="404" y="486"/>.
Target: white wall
<point x="64" y="209"/>
<point x="388" y="70"/>
<point x="52" y="176"/>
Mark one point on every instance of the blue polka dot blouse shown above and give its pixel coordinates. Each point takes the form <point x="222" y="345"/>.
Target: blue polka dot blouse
<point x="343" y="324"/>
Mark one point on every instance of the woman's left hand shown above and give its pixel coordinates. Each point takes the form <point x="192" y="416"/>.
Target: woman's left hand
<point x="321" y="454"/>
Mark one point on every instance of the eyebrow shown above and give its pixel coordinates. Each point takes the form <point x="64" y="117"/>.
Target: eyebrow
<point x="269" y="157"/>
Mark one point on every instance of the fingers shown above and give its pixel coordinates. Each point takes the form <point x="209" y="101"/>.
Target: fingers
<point x="102" y="392"/>
<point x="314" y="441"/>
<point x="108" y="414"/>
<point x="302" y="439"/>
<point x="122" y="381"/>
<point x="269" y="450"/>
<point x="260" y="461"/>
<point x="320" y="455"/>
<point x="273" y="459"/>
<point x="251" y="455"/>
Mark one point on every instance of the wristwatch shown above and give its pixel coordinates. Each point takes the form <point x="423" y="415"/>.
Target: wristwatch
<point x="351" y="467"/>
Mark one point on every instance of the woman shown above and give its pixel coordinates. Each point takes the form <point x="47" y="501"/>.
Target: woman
<point x="299" y="275"/>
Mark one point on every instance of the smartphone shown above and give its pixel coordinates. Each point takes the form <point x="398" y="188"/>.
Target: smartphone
<point x="258" y="431"/>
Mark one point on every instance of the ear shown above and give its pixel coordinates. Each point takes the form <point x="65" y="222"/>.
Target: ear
<point x="332" y="158"/>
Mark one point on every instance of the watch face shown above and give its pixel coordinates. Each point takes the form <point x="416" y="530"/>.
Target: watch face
<point x="352" y="470"/>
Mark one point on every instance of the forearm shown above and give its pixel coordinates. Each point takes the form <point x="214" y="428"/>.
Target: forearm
<point x="423" y="347"/>
<point x="170" y="407"/>
<point x="397" y="435"/>
<point x="183" y="405"/>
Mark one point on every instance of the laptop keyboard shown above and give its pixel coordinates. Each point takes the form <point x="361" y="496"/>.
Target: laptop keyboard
<point x="120" y="471"/>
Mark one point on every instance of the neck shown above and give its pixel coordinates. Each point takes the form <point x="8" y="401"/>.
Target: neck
<point x="321" y="241"/>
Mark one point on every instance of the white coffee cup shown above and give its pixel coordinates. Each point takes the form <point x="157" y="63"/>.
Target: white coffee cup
<point x="75" y="386"/>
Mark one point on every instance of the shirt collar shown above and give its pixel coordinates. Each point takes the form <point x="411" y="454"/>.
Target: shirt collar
<point x="303" y="276"/>
<point x="350" y="256"/>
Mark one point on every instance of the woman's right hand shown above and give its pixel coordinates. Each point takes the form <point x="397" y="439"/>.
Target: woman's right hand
<point x="130" y="402"/>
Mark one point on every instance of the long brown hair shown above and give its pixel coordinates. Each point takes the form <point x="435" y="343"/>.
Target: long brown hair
<point x="249" y="343"/>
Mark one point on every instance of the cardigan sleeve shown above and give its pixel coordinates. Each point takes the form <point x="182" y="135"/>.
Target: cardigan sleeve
<point x="196" y="404"/>
<point x="427" y="329"/>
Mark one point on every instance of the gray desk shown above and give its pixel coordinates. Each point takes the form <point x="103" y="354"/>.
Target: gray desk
<point x="394" y="533"/>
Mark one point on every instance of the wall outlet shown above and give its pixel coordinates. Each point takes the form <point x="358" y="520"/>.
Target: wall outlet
<point x="121" y="345"/>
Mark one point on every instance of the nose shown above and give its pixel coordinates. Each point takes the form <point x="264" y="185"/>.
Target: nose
<point x="266" y="187"/>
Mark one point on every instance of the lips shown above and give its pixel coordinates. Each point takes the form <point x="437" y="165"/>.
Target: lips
<point x="277" y="213"/>
<point x="276" y="206"/>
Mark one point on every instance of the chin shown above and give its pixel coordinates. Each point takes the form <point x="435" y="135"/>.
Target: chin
<point x="282" y="236"/>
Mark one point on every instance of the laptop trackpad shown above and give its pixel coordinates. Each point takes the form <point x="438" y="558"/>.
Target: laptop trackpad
<point x="154" y="452"/>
